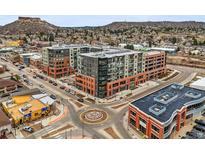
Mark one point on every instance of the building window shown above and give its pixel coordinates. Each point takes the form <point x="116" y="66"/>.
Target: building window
<point x="142" y="120"/>
<point x="132" y="122"/>
<point x="155" y="128"/>
<point x="133" y="113"/>
<point x="142" y="129"/>
<point x="154" y="137"/>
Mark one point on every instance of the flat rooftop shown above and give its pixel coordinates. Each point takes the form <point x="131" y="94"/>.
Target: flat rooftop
<point x="150" y="53"/>
<point x="68" y="46"/>
<point x="19" y="111"/>
<point x="164" y="102"/>
<point x="109" y="53"/>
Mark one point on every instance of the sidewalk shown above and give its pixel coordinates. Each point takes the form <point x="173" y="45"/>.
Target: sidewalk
<point x="54" y="118"/>
<point x="189" y="78"/>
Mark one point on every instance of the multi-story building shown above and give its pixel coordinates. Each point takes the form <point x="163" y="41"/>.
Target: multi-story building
<point x="166" y="111"/>
<point x="155" y="64"/>
<point x="103" y="74"/>
<point x="59" y="61"/>
<point x="36" y="61"/>
<point x="25" y="58"/>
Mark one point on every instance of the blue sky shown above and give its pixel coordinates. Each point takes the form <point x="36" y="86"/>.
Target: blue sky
<point x="92" y="20"/>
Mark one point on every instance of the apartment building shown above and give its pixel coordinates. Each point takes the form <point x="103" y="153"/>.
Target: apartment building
<point x="155" y="64"/>
<point x="164" y="112"/>
<point x="60" y="61"/>
<point x="103" y="74"/>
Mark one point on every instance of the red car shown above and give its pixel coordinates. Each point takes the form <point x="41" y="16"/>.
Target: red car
<point x="62" y="87"/>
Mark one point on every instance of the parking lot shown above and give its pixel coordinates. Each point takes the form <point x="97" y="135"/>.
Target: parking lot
<point x="197" y="131"/>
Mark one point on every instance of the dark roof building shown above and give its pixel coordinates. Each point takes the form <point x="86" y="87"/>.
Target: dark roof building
<point x="5" y="123"/>
<point x="169" y="107"/>
<point x="7" y="83"/>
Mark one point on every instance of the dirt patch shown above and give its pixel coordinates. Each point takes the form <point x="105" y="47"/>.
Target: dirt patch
<point x="111" y="132"/>
<point x="80" y="95"/>
<point x="171" y="76"/>
<point x="57" y="131"/>
<point x="186" y="61"/>
<point x="118" y="106"/>
<point x="79" y="105"/>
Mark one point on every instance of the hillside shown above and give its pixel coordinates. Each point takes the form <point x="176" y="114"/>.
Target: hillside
<point x="182" y="24"/>
<point x="27" y="25"/>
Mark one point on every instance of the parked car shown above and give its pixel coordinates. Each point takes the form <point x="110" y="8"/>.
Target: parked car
<point x="50" y="81"/>
<point x="28" y="129"/>
<point x="55" y="84"/>
<point x="5" y="95"/>
<point x="200" y="122"/>
<point x="62" y="87"/>
<point x="192" y="134"/>
<point x="80" y="100"/>
<point x="42" y="91"/>
<point x="199" y="128"/>
<point x="41" y="86"/>
<point x="53" y="96"/>
<point x="30" y="83"/>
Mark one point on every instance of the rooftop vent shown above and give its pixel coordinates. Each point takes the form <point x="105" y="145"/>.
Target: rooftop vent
<point x="193" y="94"/>
<point x="177" y="86"/>
<point x="9" y="102"/>
<point x="157" y="109"/>
<point x="26" y="107"/>
<point x="165" y="97"/>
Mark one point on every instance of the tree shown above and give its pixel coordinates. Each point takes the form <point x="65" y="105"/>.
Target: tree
<point x="51" y="37"/>
<point x="195" y="42"/>
<point x="129" y="46"/>
<point x="25" y="40"/>
<point x="174" y="40"/>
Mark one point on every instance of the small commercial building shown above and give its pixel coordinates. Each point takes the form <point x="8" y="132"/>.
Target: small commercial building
<point x="36" y="61"/>
<point x="171" y="51"/>
<point x="25" y="58"/>
<point x="199" y="84"/>
<point x="25" y="108"/>
<point x="162" y="113"/>
<point x="7" y="86"/>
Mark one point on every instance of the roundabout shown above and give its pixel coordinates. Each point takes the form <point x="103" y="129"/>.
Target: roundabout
<point x="93" y="116"/>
